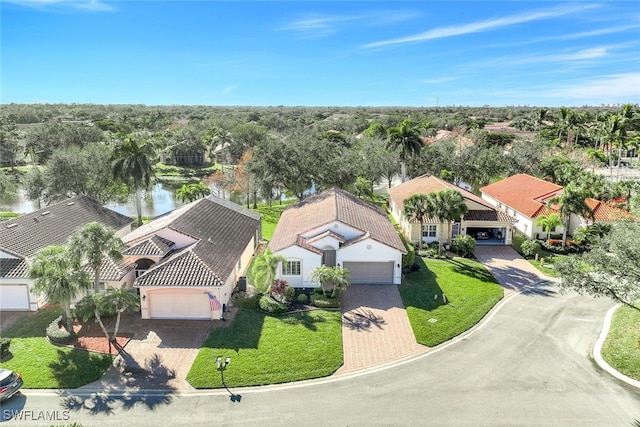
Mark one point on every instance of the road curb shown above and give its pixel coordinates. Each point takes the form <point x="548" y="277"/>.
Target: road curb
<point x="597" y="349"/>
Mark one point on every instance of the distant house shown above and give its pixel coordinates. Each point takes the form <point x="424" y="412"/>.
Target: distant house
<point x="190" y="259"/>
<point x="526" y="198"/>
<point x="21" y="238"/>
<point x="335" y="228"/>
<point x="482" y="221"/>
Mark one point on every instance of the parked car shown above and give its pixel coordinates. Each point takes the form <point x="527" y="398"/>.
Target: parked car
<point x="482" y="235"/>
<point x="10" y="383"/>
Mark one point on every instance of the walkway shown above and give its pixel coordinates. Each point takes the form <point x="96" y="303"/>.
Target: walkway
<point x="510" y="269"/>
<point x="375" y="328"/>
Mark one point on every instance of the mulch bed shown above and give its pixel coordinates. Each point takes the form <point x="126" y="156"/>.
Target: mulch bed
<point x="90" y="337"/>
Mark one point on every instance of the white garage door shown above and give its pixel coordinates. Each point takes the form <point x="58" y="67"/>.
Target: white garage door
<point x="371" y="273"/>
<point x="14" y="297"/>
<point x="179" y="305"/>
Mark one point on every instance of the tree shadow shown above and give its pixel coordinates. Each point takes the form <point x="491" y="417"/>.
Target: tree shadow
<point x="421" y="289"/>
<point x="543" y="288"/>
<point x="245" y="332"/>
<point x="363" y="320"/>
<point x="146" y="385"/>
<point x="478" y="272"/>
<point x="305" y="319"/>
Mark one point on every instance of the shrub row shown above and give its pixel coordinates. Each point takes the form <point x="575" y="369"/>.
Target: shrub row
<point x="270" y="305"/>
<point x="320" y="301"/>
<point x="58" y="334"/>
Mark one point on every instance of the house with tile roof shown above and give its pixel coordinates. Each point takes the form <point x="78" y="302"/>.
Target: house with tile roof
<point x="335" y="228"/>
<point x="526" y="198"/>
<point x="190" y="259"/>
<point x="22" y="237"/>
<point x="482" y="220"/>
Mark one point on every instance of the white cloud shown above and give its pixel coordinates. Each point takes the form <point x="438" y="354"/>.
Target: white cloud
<point x="90" y="5"/>
<point x="229" y="89"/>
<point x="481" y="26"/>
<point x="607" y="88"/>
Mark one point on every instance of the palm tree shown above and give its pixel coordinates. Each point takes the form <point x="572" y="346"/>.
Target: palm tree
<point x="133" y="164"/>
<point x="92" y="306"/>
<point x="58" y="276"/>
<point x="541" y="116"/>
<point x="120" y="299"/>
<point x="571" y="200"/>
<point x="323" y="275"/>
<point x="263" y="270"/>
<point x="340" y="277"/>
<point x="418" y="207"/>
<point x="193" y="191"/>
<point x="94" y="243"/>
<point x="549" y="222"/>
<point x="406" y="139"/>
<point x="448" y="206"/>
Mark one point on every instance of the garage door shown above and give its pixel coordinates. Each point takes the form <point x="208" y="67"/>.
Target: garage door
<point x="179" y="305"/>
<point x="373" y="273"/>
<point x="14" y="297"/>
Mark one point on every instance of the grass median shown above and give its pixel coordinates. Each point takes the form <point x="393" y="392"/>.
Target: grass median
<point x="621" y="349"/>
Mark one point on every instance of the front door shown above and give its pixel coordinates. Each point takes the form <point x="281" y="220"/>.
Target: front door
<point x="329" y="257"/>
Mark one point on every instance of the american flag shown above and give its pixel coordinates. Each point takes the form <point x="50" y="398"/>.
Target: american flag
<point x="214" y="304"/>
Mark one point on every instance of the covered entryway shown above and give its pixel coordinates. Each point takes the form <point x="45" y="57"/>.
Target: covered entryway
<point x="14" y="297"/>
<point x="179" y="304"/>
<point x="488" y="235"/>
<point x="370" y="273"/>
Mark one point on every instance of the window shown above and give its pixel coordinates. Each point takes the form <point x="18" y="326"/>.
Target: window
<point x="429" y="230"/>
<point x="291" y="268"/>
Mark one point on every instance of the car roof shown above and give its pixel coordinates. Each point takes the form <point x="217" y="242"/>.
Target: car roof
<point x="5" y="373"/>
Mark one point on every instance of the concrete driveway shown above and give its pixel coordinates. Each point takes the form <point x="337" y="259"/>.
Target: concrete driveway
<point x="510" y="269"/>
<point x="158" y="356"/>
<point x="375" y="328"/>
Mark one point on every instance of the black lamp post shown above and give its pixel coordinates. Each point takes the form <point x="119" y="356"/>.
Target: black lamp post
<point x="222" y="366"/>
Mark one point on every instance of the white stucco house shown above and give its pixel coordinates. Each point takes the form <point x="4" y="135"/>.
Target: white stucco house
<point x="526" y="198"/>
<point x="189" y="260"/>
<point x="22" y="237"/>
<point x="335" y="228"/>
<point x="483" y="221"/>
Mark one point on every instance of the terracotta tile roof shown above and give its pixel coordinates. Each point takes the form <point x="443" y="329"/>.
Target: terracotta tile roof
<point x="13" y="268"/>
<point x="429" y="184"/>
<point x="524" y="193"/>
<point x="184" y="268"/>
<point x="154" y="245"/>
<point x="333" y="205"/>
<point x="55" y="224"/>
<point x="606" y="212"/>
<point x="222" y="230"/>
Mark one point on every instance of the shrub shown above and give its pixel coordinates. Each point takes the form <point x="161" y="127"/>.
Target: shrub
<point x="320" y="301"/>
<point x="289" y="293"/>
<point x="5" y="343"/>
<point x="410" y="257"/>
<point x="271" y="306"/>
<point x="57" y="334"/>
<point x="530" y="247"/>
<point x="463" y="245"/>
<point x="303" y="298"/>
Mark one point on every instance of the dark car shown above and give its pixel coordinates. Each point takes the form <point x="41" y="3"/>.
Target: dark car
<point x="10" y="383"/>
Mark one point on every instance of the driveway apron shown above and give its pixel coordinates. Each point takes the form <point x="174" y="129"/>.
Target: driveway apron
<point x="375" y="328"/>
<point x="510" y="269"/>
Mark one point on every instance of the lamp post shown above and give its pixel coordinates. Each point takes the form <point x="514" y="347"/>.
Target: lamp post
<point x="222" y="366"/>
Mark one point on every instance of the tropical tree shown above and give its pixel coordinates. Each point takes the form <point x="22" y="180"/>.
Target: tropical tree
<point x="341" y="279"/>
<point x="419" y="208"/>
<point x="406" y="140"/>
<point x="93" y="243"/>
<point x="549" y="222"/>
<point x="323" y="275"/>
<point x="120" y="300"/>
<point x="58" y="277"/>
<point x="570" y="201"/>
<point x="263" y="270"/>
<point x="133" y="164"/>
<point x="92" y="306"/>
<point x="192" y="191"/>
<point x="448" y="206"/>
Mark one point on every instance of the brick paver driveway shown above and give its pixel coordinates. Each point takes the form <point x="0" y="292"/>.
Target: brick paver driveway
<point x="509" y="268"/>
<point x="375" y="327"/>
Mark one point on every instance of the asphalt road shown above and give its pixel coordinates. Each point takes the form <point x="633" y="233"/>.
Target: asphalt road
<point x="528" y="364"/>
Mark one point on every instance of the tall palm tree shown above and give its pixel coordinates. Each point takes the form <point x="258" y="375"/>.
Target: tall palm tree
<point x="448" y="206"/>
<point x="571" y="201"/>
<point x="93" y="306"/>
<point x="133" y="164"/>
<point x="93" y="243"/>
<point x="59" y="278"/>
<point x="418" y="207"/>
<point x="120" y="299"/>
<point x="263" y="270"/>
<point x="549" y="222"/>
<point x="406" y="139"/>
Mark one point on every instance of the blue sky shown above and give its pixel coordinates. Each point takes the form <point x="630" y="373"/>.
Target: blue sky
<point x="335" y="53"/>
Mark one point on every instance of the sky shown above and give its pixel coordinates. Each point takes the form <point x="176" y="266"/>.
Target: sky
<point x="333" y="53"/>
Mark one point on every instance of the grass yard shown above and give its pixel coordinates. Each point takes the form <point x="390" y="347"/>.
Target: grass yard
<point x="621" y="349"/>
<point x="271" y="350"/>
<point x="549" y="257"/>
<point x="44" y="365"/>
<point x="470" y="291"/>
<point x="271" y="216"/>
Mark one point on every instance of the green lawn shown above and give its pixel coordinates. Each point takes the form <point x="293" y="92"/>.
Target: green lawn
<point x="271" y="216"/>
<point x="44" y="365"/>
<point x="270" y="350"/>
<point x="549" y="257"/>
<point x="621" y="349"/>
<point x="470" y="291"/>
